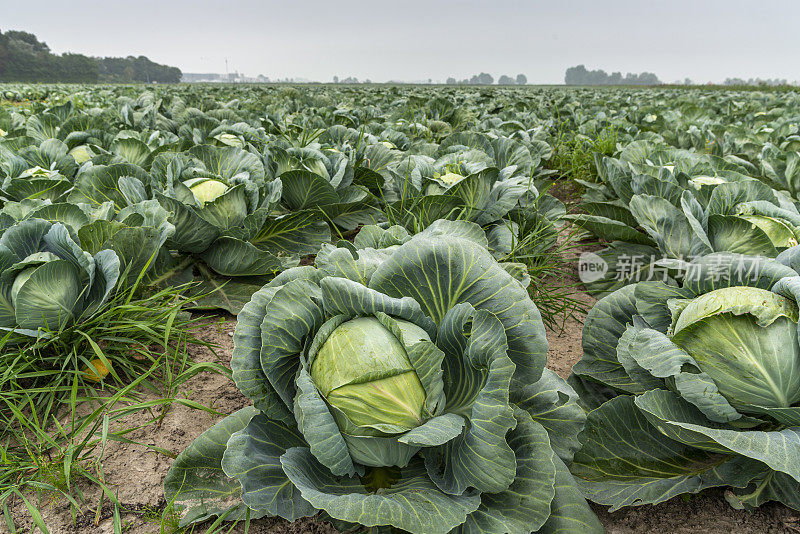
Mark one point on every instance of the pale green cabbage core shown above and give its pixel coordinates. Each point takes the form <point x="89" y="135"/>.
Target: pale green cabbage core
<point x="206" y="190"/>
<point x="699" y="181"/>
<point x="81" y="154"/>
<point x="779" y="233"/>
<point x="745" y="338"/>
<point x="38" y="172"/>
<point x="19" y="281"/>
<point x="451" y="178"/>
<point x="229" y="140"/>
<point x="363" y="370"/>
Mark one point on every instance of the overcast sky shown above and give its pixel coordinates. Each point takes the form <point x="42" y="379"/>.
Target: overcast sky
<point x="414" y="40"/>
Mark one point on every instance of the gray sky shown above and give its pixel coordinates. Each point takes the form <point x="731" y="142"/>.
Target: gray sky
<point x="414" y="39"/>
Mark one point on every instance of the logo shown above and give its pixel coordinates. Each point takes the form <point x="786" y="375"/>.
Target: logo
<point x="591" y="267"/>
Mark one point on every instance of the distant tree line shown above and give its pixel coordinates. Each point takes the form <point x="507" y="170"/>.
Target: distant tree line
<point x="756" y="81"/>
<point x="23" y="58"/>
<point x="580" y="75"/>
<point x="350" y="80"/>
<point x="485" y="78"/>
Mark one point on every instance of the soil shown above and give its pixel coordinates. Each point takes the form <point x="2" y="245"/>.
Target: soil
<point x="136" y="473"/>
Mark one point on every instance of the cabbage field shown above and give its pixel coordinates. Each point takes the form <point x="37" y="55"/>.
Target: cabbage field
<point x="266" y="308"/>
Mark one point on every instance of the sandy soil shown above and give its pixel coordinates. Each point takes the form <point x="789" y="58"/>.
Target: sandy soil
<point x="137" y="473"/>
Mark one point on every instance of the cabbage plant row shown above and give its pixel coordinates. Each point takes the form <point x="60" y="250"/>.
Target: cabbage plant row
<point x="369" y="240"/>
<point x="230" y="193"/>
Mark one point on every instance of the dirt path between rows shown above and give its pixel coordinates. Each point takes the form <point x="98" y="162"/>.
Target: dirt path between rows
<point x="137" y="473"/>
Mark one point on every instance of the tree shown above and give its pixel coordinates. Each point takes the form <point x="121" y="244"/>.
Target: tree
<point x="522" y="79"/>
<point x="485" y="79"/>
<point x="576" y="75"/>
<point x="3" y="55"/>
<point x="335" y="79"/>
<point x="506" y="80"/>
<point x="29" y="39"/>
<point x="23" y="58"/>
<point x="580" y="75"/>
<point x="451" y="81"/>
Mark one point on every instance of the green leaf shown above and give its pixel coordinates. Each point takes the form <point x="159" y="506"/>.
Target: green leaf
<point x="733" y="234"/>
<point x="246" y="358"/>
<point x="49" y="298"/>
<point x="107" y="273"/>
<point x="626" y="461"/>
<point x="229" y="162"/>
<point x="303" y="189"/>
<point x="779" y="449"/>
<point x="131" y="150"/>
<point x="441" y="273"/>
<point x="647" y="353"/>
<point x="376" y="237"/>
<point x="341" y="262"/>
<point x="428" y="209"/>
<point x="320" y="430"/>
<point x="443" y="228"/>
<point x="775" y="486"/>
<point x="412" y="504"/>
<point x="665" y="224"/>
<point x="525" y="505"/>
<point x="231" y="257"/>
<point x="553" y="403"/>
<point x="41" y="188"/>
<point x="192" y="233"/>
<point x="727" y="196"/>
<point x="68" y="214"/>
<point x="292" y="314"/>
<point x="627" y="264"/>
<point x="25" y="238"/>
<point x="227" y="210"/>
<point x="109" y="183"/>
<point x="569" y="511"/>
<point x="229" y="295"/>
<point x="296" y="233"/>
<point x="435" y="431"/>
<point x="475" y="190"/>
<point x="253" y="457"/>
<point x="478" y="374"/>
<point x="664" y="188"/>
<point x="135" y="247"/>
<point x="196" y="482"/>
<point x="609" y="229"/>
<point x="346" y="297"/>
<point x="610" y="211"/>
<point x="605" y="324"/>
<point x="7" y="317"/>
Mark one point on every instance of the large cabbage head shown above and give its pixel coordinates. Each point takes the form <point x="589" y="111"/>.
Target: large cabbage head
<point x="745" y="338"/>
<point x="363" y="372"/>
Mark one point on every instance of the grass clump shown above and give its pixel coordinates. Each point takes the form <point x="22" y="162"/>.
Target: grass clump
<point x="64" y="394"/>
<point x="573" y="154"/>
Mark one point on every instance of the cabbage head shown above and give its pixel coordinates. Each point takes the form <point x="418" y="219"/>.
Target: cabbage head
<point x="47" y="281"/>
<point x="399" y="383"/>
<point x="693" y="384"/>
<point x="745" y="339"/>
